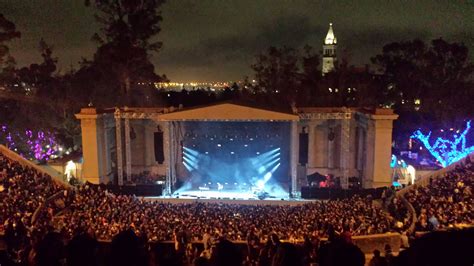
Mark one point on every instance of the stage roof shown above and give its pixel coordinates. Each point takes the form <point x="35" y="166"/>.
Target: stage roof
<point x="227" y="112"/>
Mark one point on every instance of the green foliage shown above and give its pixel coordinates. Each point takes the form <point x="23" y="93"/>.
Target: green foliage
<point x="429" y="85"/>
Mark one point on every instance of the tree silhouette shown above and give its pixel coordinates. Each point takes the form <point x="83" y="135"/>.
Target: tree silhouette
<point x="121" y="63"/>
<point x="8" y="32"/>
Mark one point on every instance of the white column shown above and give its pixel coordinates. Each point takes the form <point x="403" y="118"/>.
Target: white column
<point x="360" y="149"/>
<point x="168" y="159"/>
<point x="294" y="157"/>
<point x="118" y="140"/>
<point x="106" y="159"/>
<point x="321" y="146"/>
<point x="345" y="152"/>
<point x="128" y="150"/>
<point x="173" y="151"/>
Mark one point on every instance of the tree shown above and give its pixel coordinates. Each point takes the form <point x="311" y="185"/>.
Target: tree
<point x="420" y="77"/>
<point x="310" y="77"/>
<point x="41" y="76"/>
<point x="277" y="73"/>
<point x="429" y="86"/>
<point x="121" y="63"/>
<point x="348" y="86"/>
<point x="293" y="77"/>
<point x="8" y="32"/>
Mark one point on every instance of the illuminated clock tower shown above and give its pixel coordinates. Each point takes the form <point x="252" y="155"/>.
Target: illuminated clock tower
<point x="329" y="51"/>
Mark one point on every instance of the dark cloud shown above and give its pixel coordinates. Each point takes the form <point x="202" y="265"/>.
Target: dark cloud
<point x="290" y="31"/>
<point x="218" y="40"/>
<point x="237" y="51"/>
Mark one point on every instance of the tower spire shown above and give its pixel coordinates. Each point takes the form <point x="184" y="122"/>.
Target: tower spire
<point x="330" y="37"/>
<point x="329" y="51"/>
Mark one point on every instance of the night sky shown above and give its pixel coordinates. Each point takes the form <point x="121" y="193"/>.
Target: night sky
<point x="217" y="40"/>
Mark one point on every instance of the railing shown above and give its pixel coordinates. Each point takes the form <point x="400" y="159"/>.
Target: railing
<point x="412" y="211"/>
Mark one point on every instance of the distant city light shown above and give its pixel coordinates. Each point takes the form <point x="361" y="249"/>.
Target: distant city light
<point x="194" y="85"/>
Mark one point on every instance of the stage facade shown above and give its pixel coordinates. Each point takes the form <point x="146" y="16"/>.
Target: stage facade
<point x="234" y="147"/>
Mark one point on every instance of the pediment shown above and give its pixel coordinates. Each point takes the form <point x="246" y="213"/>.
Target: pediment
<point x="227" y="112"/>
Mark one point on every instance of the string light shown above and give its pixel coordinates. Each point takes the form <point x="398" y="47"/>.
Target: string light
<point x="444" y="150"/>
<point x="39" y="145"/>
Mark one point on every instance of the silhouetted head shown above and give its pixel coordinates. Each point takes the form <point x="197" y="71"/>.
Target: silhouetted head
<point x="376" y="253"/>
<point x="226" y="254"/>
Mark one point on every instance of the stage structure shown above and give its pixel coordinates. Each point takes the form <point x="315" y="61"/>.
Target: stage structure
<point x="235" y="148"/>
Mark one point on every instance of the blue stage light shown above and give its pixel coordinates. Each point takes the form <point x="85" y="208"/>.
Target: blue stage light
<point x="191" y="151"/>
<point x="189" y="161"/>
<point x="267" y="159"/>
<point x="266" y="165"/>
<point x="272" y="162"/>
<point x="189" y="156"/>
<point x="275" y="167"/>
<point x="189" y="168"/>
<point x="267" y="176"/>
<point x="446" y="151"/>
<point x="266" y="154"/>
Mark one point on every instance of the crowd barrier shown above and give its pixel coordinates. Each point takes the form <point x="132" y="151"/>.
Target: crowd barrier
<point x="338" y="193"/>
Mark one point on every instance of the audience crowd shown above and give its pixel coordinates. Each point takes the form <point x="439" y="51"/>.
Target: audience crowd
<point x="446" y="201"/>
<point x="106" y="214"/>
<point x="23" y="190"/>
<point x="90" y="213"/>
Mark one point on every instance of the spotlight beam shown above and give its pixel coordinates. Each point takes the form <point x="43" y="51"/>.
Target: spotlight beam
<point x="266" y="160"/>
<point x="264" y="156"/>
<point x="191" y="151"/>
<point x="189" y="168"/>
<point x="274" y="168"/>
<point x="191" y="157"/>
<point x="192" y="164"/>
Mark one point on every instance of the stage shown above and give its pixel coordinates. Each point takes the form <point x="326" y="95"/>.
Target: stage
<point x="231" y="144"/>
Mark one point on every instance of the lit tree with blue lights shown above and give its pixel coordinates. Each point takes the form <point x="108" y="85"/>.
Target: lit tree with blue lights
<point x="444" y="150"/>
